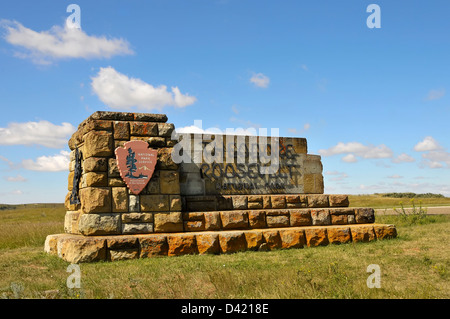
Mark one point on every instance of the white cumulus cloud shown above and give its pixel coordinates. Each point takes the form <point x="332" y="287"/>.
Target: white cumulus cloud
<point x="61" y="43"/>
<point x="428" y="144"/>
<point x="36" y="133"/>
<point x="260" y="80"/>
<point x="54" y="163"/>
<point x="435" y="94"/>
<point x="356" y="149"/>
<point x="119" y="91"/>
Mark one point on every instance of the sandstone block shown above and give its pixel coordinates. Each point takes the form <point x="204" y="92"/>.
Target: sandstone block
<point x="119" y="199"/>
<point x="99" y="224"/>
<point x="165" y="129"/>
<point x="277" y="221"/>
<point x="212" y="221"/>
<point x="168" y="222"/>
<point x="121" y="242"/>
<point x="313" y="184"/>
<point x="254" y="239"/>
<point x="153" y="245"/>
<point x="137" y="228"/>
<point x="196" y="225"/>
<point x="51" y="242"/>
<point x="95" y="164"/>
<point x="97" y="125"/>
<point x="364" y="215"/>
<point x="339" y="219"/>
<point x="240" y="202"/>
<point x="278" y="201"/>
<point x="385" y="231"/>
<point x="121" y="130"/>
<point x="113" y="170"/>
<point x="316" y="201"/>
<point x="362" y="233"/>
<point x="208" y="243"/>
<point x="234" y="219"/>
<point x="95" y="200"/>
<point x="156" y="141"/>
<point x="316" y="237"/>
<point x="224" y="203"/>
<point x="78" y="250"/>
<point x="272" y="238"/>
<point x="257" y="219"/>
<point x="97" y="143"/>
<point x="116" y="182"/>
<point x="292" y="238"/>
<point x="71" y="222"/>
<point x="149" y="117"/>
<point x="320" y="217"/>
<point x="338" y="200"/>
<point x="181" y="244"/>
<point x="165" y="159"/>
<point x="267" y="203"/>
<point x="232" y="241"/>
<point x="191" y="216"/>
<point x="255" y="205"/>
<point x="175" y="203"/>
<point x="339" y="235"/>
<point x="300" y="218"/>
<point x="154" y="203"/>
<point x="143" y="129"/>
<point x="137" y="218"/>
<point x="123" y="254"/>
<point x="133" y="203"/>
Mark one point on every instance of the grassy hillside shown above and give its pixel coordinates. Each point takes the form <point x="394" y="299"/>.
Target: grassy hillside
<point x="380" y="201"/>
<point x="414" y="265"/>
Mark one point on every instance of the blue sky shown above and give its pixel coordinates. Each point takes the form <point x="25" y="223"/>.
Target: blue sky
<point x="373" y="102"/>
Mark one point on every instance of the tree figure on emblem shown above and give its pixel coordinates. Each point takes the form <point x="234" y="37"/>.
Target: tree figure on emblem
<point x="131" y="165"/>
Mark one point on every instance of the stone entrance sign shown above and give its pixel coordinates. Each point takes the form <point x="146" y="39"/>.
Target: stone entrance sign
<point x="136" y="163"/>
<point x="138" y="200"/>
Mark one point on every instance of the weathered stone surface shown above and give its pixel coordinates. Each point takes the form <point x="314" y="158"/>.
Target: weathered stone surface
<point x="169" y="182"/>
<point x="137" y="228"/>
<point x="116" y="182"/>
<point x="165" y="159"/>
<point x="143" y="129"/>
<point x="267" y="203"/>
<point x="313" y="184"/>
<point x="108" y="115"/>
<point x="362" y="233"/>
<point x="385" y="231"/>
<point x="119" y="199"/>
<point x="234" y="219"/>
<point x="196" y="225"/>
<point x="68" y="205"/>
<point x="133" y="203"/>
<point x="257" y="219"/>
<point x="339" y="235"/>
<point x="149" y="117"/>
<point x="156" y="141"/>
<point x="254" y="239"/>
<point x="232" y="241"/>
<point x="339" y="219"/>
<point x="193" y="216"/>
<point x="175" y="203"/>
<point x="99" y="224"/>
<point x="212" y="221"/>
<point x="338" y="200"/>
<point x="272" y="238"/>
<point x="154" y="203"/>
<point x="316" y="201"/>
<point x="208" y="243"/>
<point x="300" y="218"/>
<point x="95" y="200"/>
<point x="240" y="202"/>
<point x="278" y="201"/>
<point x="71" y="222"/>
<point x="70" y="181"/>
<point x="351" y="219"/>
<point x="320" y="217"/>
<point x="123" y="254"/>
<point x="137" y="217"/>
<point x="51" y="242"/>
<point x="277" y="221"/>
<point x="181" y="244"/>
<point x="121" y="130"/>
<point x="153" y="245"/>
<point x="364" y="215"/>
<point x="95" y="164"/>
<point x="121" y="242"/>
<point x="153" y="186"/>
<point x="165" y="129"/>
<point x="316" y="236"/>
<point x="292" y="238"/>
<point x="113" y="170"/>
<point x="224" y="203"/>
<point x="97" y="143"/>
<point x="255" y="205"/>
<point x="81" y="249"/>
<point x="97" y="125"/>
<point x="94" y="179"/>
<point x="168" y="222"/>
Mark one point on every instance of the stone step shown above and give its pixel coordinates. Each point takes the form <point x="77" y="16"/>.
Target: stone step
<point x="78" y="248"/>
<point x="273" y="218"/>
<point x="279" y="201"/>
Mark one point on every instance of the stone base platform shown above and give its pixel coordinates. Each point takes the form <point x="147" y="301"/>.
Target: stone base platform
<point x="77" y="248"/>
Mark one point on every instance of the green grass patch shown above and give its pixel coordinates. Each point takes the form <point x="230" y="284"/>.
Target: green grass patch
<point x="379" y="201"/>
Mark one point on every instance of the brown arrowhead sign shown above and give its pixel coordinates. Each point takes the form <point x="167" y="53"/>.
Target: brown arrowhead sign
<point x="136" y="163"/>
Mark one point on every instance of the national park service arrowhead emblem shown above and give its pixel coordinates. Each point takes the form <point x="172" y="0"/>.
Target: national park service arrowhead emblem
<point x="136" y="163"/>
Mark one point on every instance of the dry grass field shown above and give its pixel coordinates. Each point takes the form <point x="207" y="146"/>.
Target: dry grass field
<point x="414" y="265"/>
